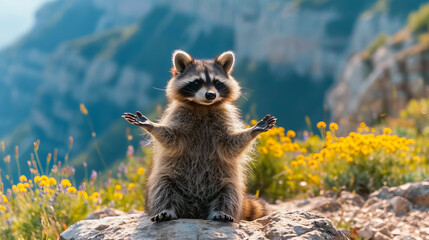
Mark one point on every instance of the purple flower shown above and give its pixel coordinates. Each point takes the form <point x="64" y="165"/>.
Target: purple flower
<point x="305" y="135"/>
<point x="130" y="151"/>
<point x="93" y="176"/>
<point x="82" y="187"/>
<point x="108" y="182"/>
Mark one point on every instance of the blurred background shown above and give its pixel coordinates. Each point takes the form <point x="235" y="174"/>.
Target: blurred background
<point x="300" y="60"/>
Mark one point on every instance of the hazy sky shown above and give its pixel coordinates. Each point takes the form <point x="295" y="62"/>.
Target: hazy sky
<point x="16" y="18"/>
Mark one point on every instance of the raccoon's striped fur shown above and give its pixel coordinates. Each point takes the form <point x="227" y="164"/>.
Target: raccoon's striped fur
<point x="200" y="150"/>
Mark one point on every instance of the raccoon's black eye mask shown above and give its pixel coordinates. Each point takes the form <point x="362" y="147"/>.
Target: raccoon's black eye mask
<point x="191" y="88"/>
<point x="221" y="88"/>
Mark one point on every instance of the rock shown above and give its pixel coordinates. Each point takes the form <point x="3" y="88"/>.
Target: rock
<point x="133" y="211"/>
<point x="406" y="237"/>
<point x="351" y="198"/>
<point x="416" y="193"/>
<point x="346" y="233"/>
<point x="400" y="205"/>
<point x="323" y="204"/>
<point x="105" y="212"/>
<point x="380" y="236"/>
<point x="366" y="232"/>
<point x="279" y="225"/>
<point x="382" y="82"/>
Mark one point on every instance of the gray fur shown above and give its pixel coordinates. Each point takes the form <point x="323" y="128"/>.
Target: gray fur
<point x="200" y="153"/>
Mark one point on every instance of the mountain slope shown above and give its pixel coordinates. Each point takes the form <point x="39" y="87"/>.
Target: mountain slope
<point x="112" y="55"/>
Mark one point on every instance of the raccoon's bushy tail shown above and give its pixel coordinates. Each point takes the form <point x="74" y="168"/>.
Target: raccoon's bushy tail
<point x="253" y="208"/>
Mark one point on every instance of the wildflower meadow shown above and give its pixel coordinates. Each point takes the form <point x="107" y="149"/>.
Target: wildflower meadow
<point x="286" y="165"/>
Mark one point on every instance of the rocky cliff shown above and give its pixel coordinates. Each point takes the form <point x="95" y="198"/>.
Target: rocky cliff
<point x="383" y="78"/>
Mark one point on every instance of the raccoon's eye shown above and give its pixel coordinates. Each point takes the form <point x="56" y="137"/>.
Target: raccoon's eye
<point x="196" y="82"/>
<point x="217" y="83"/>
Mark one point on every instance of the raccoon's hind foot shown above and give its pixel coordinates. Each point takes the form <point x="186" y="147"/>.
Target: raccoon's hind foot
<point x="264" y="125"/>
<point x="138" y="119"/>
<point x="220" y="216"/>
<point x="165" y="215"/>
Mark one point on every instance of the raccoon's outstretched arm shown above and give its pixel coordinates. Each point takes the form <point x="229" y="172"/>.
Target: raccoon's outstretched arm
<point x="162" y="134"/>
<point x="238" y="142"/>
<point x="264" y="125"/>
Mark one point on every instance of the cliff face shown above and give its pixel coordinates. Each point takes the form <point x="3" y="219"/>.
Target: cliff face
<point x="381" y="82"/>
<point x="110" y="55"/>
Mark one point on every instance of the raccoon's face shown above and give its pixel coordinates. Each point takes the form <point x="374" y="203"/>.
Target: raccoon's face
<point x="203" y="82"/>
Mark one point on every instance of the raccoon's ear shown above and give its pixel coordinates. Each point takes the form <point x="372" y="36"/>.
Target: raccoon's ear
<point x="226" y="60"/>
<point x="181" y="60"/>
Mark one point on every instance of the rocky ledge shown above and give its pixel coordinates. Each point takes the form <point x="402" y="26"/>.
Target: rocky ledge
<point x="279" y="225"/>
<point x="398" y="213"/>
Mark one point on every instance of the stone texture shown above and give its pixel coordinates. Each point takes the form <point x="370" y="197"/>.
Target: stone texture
<point x="390" y="213"/>
<point x="279" y="225"/>
<point x="366" y="232"/>
<point x="105" y="212"/>
<point x="400" y="205"/>
<point x="380" y="236"/>
<point x="417" y="193"/>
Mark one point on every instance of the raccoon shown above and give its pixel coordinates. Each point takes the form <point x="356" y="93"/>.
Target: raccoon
<point x="201" y="148"/>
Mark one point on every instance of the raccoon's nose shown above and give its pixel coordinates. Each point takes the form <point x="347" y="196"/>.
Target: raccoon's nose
<point x="210" y="95"/>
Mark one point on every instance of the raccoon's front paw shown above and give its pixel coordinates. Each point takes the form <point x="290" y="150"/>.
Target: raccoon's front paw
<point x="220" y="216"/>
<point x="138" y="119"/>
<point x="264" y="125"/>
<point x="164" y="216"/>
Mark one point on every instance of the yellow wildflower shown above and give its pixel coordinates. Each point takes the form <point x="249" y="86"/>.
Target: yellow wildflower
<point x="291" y="134"/>
<point x="118" y="187"/>
<point x="37" y="179"/>
<point x="118" y="195"/>
<point x="95" y="195"/>
<point x="83" y="109"/>
<point x="140" y="171"/>
<point x="4" y="198"/>
<point x="71" y="190"/>
<point x="387" y="131"/>
<point x="333" y="126"/>
<point x="321" y="124"/>
<point x="22" y="178"/>
<point x="65" y="183"/>
<point x="2" y="208"/>
<point x="131" y="186"/>
<point x="83" y="194"/>
<point x="52" y="181"/>
<point x="44" y="183"/>
<point x="253" y="122"/>
<point x="315" y="179"/>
